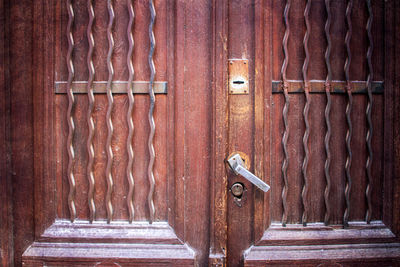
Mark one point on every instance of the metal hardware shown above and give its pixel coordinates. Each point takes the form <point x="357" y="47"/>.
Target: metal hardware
<point x="237" y="190"/>
<point x="327" y="112"/>
<point x="117" y="87"/>
<point x="152" y="98"/>
<point x="238" y="76"/>
<point x="285" y="110"/>
<point x="237" y="165"/>
<point x="337" y="87"/>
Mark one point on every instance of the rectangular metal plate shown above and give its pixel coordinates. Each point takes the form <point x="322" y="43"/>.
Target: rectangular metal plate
<point x="238" y="76"/>
<point x="337" y="87"/>
<point x="117" y="87"/>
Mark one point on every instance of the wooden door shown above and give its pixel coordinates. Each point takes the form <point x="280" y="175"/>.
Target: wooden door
<point x="120" y="115"/>
<point x="108" y="189"/>
<point x="312" y="124"/>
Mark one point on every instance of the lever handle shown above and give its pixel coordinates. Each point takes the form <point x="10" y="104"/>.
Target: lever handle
<point x="237" y="165"/>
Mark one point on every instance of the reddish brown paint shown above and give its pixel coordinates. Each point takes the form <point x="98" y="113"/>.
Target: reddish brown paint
<point x="197" y="125"/>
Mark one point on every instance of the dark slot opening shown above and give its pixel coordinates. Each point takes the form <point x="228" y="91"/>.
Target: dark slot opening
<point x="238" y="82"/>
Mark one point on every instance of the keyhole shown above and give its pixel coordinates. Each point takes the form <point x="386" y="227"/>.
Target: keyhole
<point x="237" y="190"/>
<point x="238" y="82"/>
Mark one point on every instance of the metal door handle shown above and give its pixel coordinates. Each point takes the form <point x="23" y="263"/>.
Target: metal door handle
<point x="237" y="165"/>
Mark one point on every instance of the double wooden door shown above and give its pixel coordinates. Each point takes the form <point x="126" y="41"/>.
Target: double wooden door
<point x="137" y="106"/>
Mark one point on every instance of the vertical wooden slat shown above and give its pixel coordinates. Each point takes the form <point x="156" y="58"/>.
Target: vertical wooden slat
<point x="285" y="112"/>
<point x="261" y="122"/>
<point x="348" y="113"/>
<point x="219" y="197"/>
<point x="267" y="80"/>
<point x="179" y="116"/>
<point x="70" y="119"/>
<point x="327" y="113"/>
<point x="389" y="79"/>
<point x="129" y="92"/>
<point x="150" y="174"/>
<point x="395" y="181"/>
<point x="196" y="91"/>
<point x="24" y="152"/>
<point x="110" y="98"/>
<point x="306" y="113"/>
<point x="368" y="114"/>
<point x="6" y="195"/>
<point x="90" y="148"/>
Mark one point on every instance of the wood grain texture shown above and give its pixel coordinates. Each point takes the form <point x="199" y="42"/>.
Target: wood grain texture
<point x="261" y="112"/>
<point x="268" y="141"/>
<point x="198" y="124"/>
<point x="125" y="254"/>
<point x="197" y="106"/>
<point x="6" y="211"/>
<point x="118" y="232"/>
<point x="318" y="233"/>
<point x="396" y="120"/>
<point x="44" y="193"/>
<point x="332" y="255"/>
<point x="219" y="190"/>
<point x="43" y="108"/>
<point x="241" y="129"/>
<point x="389" y="76"/>
<point x="179" y="115"/>
<point x="21" y="122"/>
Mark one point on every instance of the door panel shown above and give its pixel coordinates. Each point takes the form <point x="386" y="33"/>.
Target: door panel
<point x="107" y="193"/>
<point x="240" y="126"/>
<point x="327" y="185"/>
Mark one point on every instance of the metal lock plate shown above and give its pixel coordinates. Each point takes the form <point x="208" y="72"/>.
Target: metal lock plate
<point x="238" y="76"/>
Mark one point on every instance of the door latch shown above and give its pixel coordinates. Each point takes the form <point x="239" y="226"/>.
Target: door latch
<point x="238" y="167"/>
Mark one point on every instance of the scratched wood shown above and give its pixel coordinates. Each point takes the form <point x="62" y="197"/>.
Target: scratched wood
<point x="198" y="124"/>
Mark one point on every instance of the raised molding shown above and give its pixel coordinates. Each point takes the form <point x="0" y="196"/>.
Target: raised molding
<point x="114" y="232"/>
<point x="318" y="233"/>
<point x="85" y="253"/>
<point x="323" y="245"/>
<point x="332" y="255"/>
<point x="82" y="241"/>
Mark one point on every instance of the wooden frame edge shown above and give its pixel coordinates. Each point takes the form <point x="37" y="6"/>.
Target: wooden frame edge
<point x="219" y="182"/>
<point x="6" y="214"/>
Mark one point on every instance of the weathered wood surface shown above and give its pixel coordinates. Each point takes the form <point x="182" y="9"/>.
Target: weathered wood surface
<point x="198" y="124"/>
